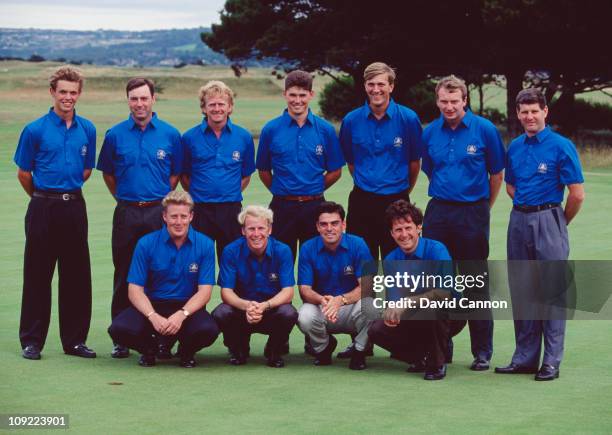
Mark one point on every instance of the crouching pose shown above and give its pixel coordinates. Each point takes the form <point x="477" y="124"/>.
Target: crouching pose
<point x="170" y="282"/>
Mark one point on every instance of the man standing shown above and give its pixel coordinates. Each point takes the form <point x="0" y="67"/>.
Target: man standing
<point x="540" y="164"/>
<point x="219" y="161"/>
<point x="381" y="142"/>
<point x="256" y="280"/>
<point x="55" y="155"/>
<point x="463" y="158"/>
<point x="170" y="282"/>
<point x="329" y="276"/>
<point x="141" y="161"/>
<point x="298" y="158"/>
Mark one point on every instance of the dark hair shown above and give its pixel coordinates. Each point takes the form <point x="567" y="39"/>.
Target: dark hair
<point x="530" y="96"/>
<point x="68" y="74"/>
<point x="330" y="207"/>
<point x="298" y="78"/>
<point x="138" y="82"/>
<point x="402" y="209"/>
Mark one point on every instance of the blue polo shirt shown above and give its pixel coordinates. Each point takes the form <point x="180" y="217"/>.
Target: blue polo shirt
<point x="252" y="279"/>
<point x="332" y="273"/>
<point x="168" y="273"/>
<point x="381" y="150"/>
<point x="142" y="161"/>
<point x="56" y="155"/>
<point x="298" y="156"/>
<point x="457" y="162"/>
<point x="217" y="166"/>
<point x="540" y="167"/>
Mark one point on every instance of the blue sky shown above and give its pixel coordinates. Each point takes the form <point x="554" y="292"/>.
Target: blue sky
<point x="110" y="14"/>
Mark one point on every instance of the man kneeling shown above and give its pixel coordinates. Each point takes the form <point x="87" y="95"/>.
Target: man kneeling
<point x="256" y="280"/>
<point x="170" y="281"/>
<point x="329" y="275"/>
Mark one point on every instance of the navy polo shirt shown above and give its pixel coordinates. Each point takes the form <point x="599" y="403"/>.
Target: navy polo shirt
<point x="168" y="273"/>
<point x="56" y="155"/>
<point x="332" y="273"/>
<point x="381" y="150"/>
<point x="142" y="161"/>
<point x="298" y="156"/>
<point x="217" y="166"/>
<point x="252" y="279"/>
<point x="540" y="167"/>
<point x="458" y="161"/>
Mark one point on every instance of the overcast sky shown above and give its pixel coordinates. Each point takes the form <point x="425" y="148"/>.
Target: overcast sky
<point x="109" y="14"/>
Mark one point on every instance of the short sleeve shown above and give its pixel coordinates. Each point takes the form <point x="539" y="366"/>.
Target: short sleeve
<point x="263" y="162"/>
<point x="139" y="268"/>
<point x="26" y="150"/>
<point x="187" y="158"/>
<point x="509" y="177"/>
<point x="569" y="165"/>
<point x="426" y="162"/>
<point x="227" y="269"/>
<point x="177" y="153"/>
<point x="415" y="138"/>
<point x="91" y="147"/>
<point x="287" y="278"/>
<point x="346" y="142"/>
<point x="207" y="264"/>
<point x="335" y="159"/>
<point x="305" y="267"/>
<point x="105" y="159"/>
<point x="495" y="150"/>
<point x="363" y="256"/>
<point x="248" y="161"/>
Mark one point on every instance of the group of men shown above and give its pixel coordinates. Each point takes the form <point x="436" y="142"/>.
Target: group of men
<point x="164" y="268"/>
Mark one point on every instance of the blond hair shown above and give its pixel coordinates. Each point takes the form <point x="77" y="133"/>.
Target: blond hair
<point x="177" y="197"/>
<point x="376" y="68"/>
<point x="214" y="88"/>
<point x="451" y="83"/>
<point x="256" y="211"/>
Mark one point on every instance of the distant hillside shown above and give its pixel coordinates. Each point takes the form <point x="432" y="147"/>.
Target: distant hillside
<point x="111" y="47"/>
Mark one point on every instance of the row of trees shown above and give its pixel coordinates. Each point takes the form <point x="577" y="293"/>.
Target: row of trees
<point x="557" y="45"/>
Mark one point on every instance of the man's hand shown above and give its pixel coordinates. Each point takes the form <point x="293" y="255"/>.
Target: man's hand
<point x="254" y="312"/>
<point x="330" y="307"/>
<point x="392" y="316"/>
<point x="160" y="323"/>
<point x="174" y="324"/>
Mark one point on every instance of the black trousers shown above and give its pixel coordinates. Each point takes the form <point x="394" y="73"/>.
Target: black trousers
<point x="464" y="229"/>
<point x="56" y="232"/>
<point x="294" y="220"/>
<point x="366" y="218"/>
<point x="132" y="329"/>
<point x="130" y="223"/>
<point x="277" y="323"/>
<point x="219" y="221"/>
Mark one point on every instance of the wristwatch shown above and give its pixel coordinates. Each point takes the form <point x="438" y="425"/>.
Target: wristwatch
<point x="344" y="301"/>
<point x="185" y="312"/>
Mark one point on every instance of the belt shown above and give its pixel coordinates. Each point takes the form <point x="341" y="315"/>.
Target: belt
<point x="67" y="196"/>
<point x="534" y="208"/>
<point x="459" y="203"/>
<point x="300" y="198"/>
<point x="141" y="204"/>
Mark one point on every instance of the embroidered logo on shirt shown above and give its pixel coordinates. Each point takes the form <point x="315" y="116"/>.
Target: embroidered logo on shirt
<point x="84" y="150"/>
<point x="161" y="154"/>
<point x="193" y="268"/>
<point x="236" y="156"/>
<point x="471" y="149"/>
<point x="348" y="270"/>
<point x="542" y="168"/>
<point x="273" y="276"/>
<point x="397" y="142"/>
<point x="319" y="150"/>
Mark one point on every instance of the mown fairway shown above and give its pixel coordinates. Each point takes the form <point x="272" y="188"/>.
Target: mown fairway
<point x="301" y="398"/>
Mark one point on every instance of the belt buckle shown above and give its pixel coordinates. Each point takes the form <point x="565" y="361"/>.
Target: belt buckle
<point x="142" y="203"/>
<point x="65" y="196"/>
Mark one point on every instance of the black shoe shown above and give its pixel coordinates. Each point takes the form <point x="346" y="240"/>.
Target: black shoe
<point x="308" y="350"/>
<point x="31" y="351"/>
<point x="436" y="373"/>
<point x="346" y="353"/>
<point x="188" y="361"/>
<point x="324" y="358"/>
<point x="147" y="360"/>
<point x="515" y="369"/>
<point x="479" y="365"/>
<point x="275" y="361"/>
<point x="417" y="367"/>
<point x="547" y="373"/>
<point x="120" y="351"/>
<point x="80" y="350"/>
<point x="284" y="349"/>
<point x="358" y="360"/>
<point x="237" y="358"/>
<point x="164" y="351"/>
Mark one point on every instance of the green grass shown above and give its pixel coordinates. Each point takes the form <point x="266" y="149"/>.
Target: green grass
<point x="216" y="397"/>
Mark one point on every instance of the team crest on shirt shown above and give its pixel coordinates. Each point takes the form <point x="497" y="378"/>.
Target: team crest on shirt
<point x="193" y="268"/>
<point x="236" y="156"/>
<point x="273" y="276"/>
<point x="319" y="150"/>
<point x="471" y="149"/>
<point x="161" y="154"/>
<point x="348" y="270"/>
<point x="542" y="168"/>
<point x="84" y="150"/>
<point x="397" y="142"/>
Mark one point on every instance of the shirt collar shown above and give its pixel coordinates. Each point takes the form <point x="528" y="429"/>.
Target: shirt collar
<point x="54" y="117"/>
<point x="389" y="113"/>
<point x="289" y="119"/>
<point x="418" y="253"/>
<point x="165" y="235"/>
<point x="343" y="243"/>
<point x="538" y="138"/>
<point x="206" y="127"/>
<point x="466" y="121"/>
<point x="249" y="253"/>
<point x="132" y="124"/>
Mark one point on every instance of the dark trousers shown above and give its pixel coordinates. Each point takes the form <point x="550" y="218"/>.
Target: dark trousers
<point x="294" y="220"/>
<point x="132" y="329"/>
<point x="130" y="223"/>
<point x="464" y="229"/>
<point x="413" y="340"/>
<point x="56" y="232"/>
<point x="366" y="218"/>
<point x="277" y="323"/>
<point x="219" y="221"/>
